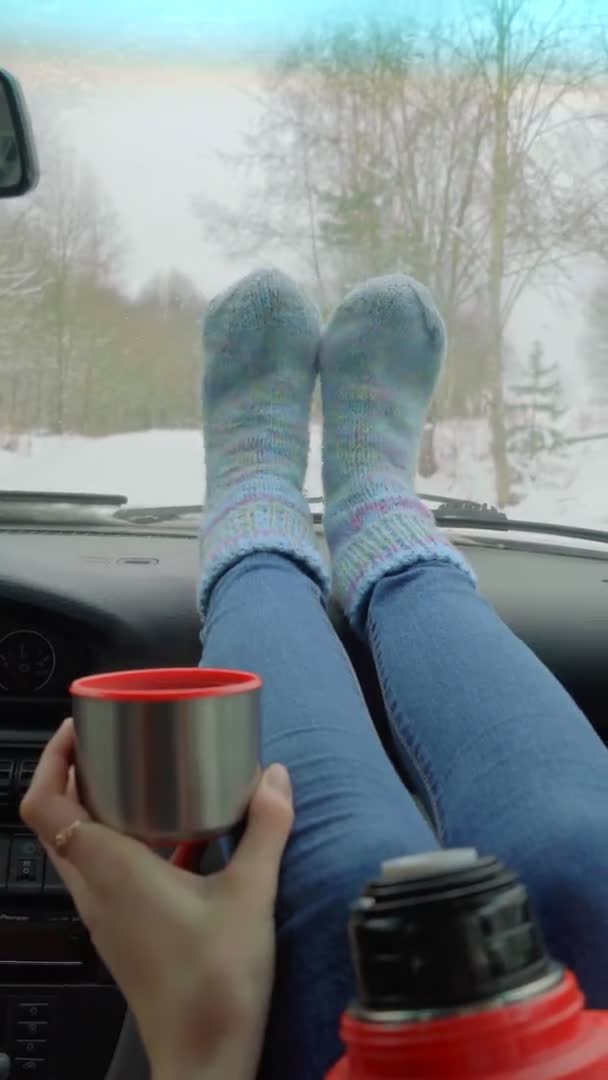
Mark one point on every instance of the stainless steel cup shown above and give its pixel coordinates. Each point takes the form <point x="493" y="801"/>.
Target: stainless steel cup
<point x="168" y="754"/>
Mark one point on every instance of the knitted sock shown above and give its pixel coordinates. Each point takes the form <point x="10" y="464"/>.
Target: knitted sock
<point x="380" y="359"/>
<point x="261" y="340"/>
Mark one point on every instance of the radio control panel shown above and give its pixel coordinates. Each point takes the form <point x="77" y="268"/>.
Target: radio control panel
<point x="54" y="989"/>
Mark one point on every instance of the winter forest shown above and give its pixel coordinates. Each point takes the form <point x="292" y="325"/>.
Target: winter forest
<point x="472" y="156"/>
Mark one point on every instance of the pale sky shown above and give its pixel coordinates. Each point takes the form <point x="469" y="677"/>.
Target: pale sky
<point x="230" y="23"/>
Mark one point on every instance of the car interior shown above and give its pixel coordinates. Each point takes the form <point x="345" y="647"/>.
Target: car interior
<point x="102" y="598"/>
<point x="97" y="589"/>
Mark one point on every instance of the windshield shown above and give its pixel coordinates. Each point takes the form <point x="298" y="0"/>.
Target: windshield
<point x="183" y="143"/>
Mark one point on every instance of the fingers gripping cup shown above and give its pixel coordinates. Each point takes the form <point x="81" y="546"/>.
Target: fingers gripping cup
<point x="167" y="755"/>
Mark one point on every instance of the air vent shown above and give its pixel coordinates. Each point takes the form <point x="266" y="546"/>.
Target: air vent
<point x="25" y="775"/>
<point x="6" y="779"/>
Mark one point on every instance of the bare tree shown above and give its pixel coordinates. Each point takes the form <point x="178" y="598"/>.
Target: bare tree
<point x="163" y="349"/>
<point x="465" y="155"/>
<point x="69" y="335"/>
<point x="78" y="245"/>
<point x="364" y="162"/>
<point x="21" y="285"/>
<point x="545" y="204"/>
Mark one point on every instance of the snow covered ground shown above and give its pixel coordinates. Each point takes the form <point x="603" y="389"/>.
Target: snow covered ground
<point x="166" y="467"/>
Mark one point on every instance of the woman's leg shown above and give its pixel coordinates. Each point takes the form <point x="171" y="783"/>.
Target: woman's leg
<point x="262" y="591"/>
<point x="351" y="809"/>
<point x="504" y="757"/>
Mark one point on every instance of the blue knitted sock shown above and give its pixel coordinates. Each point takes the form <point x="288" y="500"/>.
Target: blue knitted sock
<point x="261" y="340"/>
<point x="380" y="359"/>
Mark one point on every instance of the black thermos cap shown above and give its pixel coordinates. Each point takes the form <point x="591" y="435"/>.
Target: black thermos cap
<point x="443" y="932"/>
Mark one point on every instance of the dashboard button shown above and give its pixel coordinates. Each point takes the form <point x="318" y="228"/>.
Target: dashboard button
<point x="26" y="867"/>
<point x="25" y="870"/>
<point x="30" y="1069"/>
<point x="33" y="1010"/>
<point x="32" y="1029"/>
<point x="35" y="1048"/>
<point x="26" y="847"/>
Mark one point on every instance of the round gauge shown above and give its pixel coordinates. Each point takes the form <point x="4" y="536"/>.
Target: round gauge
<point x="27" y="662"/>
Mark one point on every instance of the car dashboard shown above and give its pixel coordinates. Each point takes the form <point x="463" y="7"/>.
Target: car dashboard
<point x="83" y="600"/>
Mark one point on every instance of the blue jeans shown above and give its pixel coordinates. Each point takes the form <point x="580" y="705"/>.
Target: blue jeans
<point x="502" y="757"/>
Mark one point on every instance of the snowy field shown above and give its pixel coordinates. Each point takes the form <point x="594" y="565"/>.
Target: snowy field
<point x="166" y="467"/>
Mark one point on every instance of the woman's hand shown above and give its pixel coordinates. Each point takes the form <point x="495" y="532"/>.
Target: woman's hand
<point x="193" y="956"/>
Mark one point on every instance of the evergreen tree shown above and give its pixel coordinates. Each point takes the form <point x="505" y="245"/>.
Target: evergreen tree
<point x="534" y="413"/>
<point x="596" y="345"/>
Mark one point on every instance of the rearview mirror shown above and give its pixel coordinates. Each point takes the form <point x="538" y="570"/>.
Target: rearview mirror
<point x="18" y="158"/>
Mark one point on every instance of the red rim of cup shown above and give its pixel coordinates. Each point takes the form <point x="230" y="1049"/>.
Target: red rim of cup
<point x="165" y="684"/>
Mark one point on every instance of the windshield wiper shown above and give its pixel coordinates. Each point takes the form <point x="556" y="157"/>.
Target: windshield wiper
<point x="460" y="513"/>
<point x="449" y="507"/>
<point x="72" y="498"/>
<point x="19" y="508"/>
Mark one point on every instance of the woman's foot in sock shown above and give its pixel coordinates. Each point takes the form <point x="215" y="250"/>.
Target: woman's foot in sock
<point x="380" y="359"/>
<point x="261" y="339"/>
